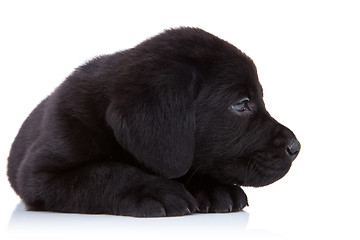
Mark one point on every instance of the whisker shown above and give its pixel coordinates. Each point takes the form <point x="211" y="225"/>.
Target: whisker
<point x="192" y="174"/>
<point x="254" y="169"/>
<point x="247" y="171"/>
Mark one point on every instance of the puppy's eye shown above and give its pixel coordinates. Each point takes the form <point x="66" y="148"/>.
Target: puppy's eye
<point x="241" y="106"/>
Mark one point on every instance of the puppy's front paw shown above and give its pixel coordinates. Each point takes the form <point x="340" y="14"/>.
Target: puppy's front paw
<point x="218" y="198"/>
<point x="159" y="199"/>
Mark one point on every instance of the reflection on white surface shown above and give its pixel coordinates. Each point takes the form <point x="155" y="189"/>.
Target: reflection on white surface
<point x="45" y="224"/>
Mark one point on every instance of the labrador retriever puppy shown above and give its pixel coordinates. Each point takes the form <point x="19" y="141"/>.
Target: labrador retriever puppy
<point x="170" y="127"/>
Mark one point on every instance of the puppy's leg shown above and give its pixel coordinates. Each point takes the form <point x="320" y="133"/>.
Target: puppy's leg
<point x="102" y="187"/>
<point x="216" y="197"/>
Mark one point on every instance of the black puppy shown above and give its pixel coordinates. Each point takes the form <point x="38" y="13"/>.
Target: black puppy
<point x="173" y="126"/>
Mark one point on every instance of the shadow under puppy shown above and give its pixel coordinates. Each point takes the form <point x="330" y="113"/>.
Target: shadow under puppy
<point x="173" y="126"/>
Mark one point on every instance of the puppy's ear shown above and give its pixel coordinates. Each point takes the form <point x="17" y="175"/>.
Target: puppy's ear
<point x="153" y="119"/>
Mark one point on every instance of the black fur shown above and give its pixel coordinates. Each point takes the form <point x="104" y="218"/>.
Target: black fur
<point x="150" y="132"/>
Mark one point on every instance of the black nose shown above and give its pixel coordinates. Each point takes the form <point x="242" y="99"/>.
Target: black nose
<point x="293" y="148"/>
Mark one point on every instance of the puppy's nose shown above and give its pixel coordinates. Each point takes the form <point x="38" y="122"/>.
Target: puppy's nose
<point x="293" y="148"/>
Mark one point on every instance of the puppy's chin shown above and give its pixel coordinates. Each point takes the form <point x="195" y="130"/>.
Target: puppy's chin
<point x="259" y="176"/>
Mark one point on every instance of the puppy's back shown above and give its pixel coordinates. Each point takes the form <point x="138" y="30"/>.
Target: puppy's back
<point x="28" y="133"/>
<point x="78" y="97"/>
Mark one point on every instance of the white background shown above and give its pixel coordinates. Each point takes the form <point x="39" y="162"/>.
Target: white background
<point x="307" y="55"/>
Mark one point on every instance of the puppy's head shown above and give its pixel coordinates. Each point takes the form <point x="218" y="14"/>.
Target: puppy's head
<point x="187" y="100"/>
<point x="237" y="141"/>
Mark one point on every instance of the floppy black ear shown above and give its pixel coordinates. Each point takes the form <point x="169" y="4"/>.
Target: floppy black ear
<point x="154" y="120"/>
